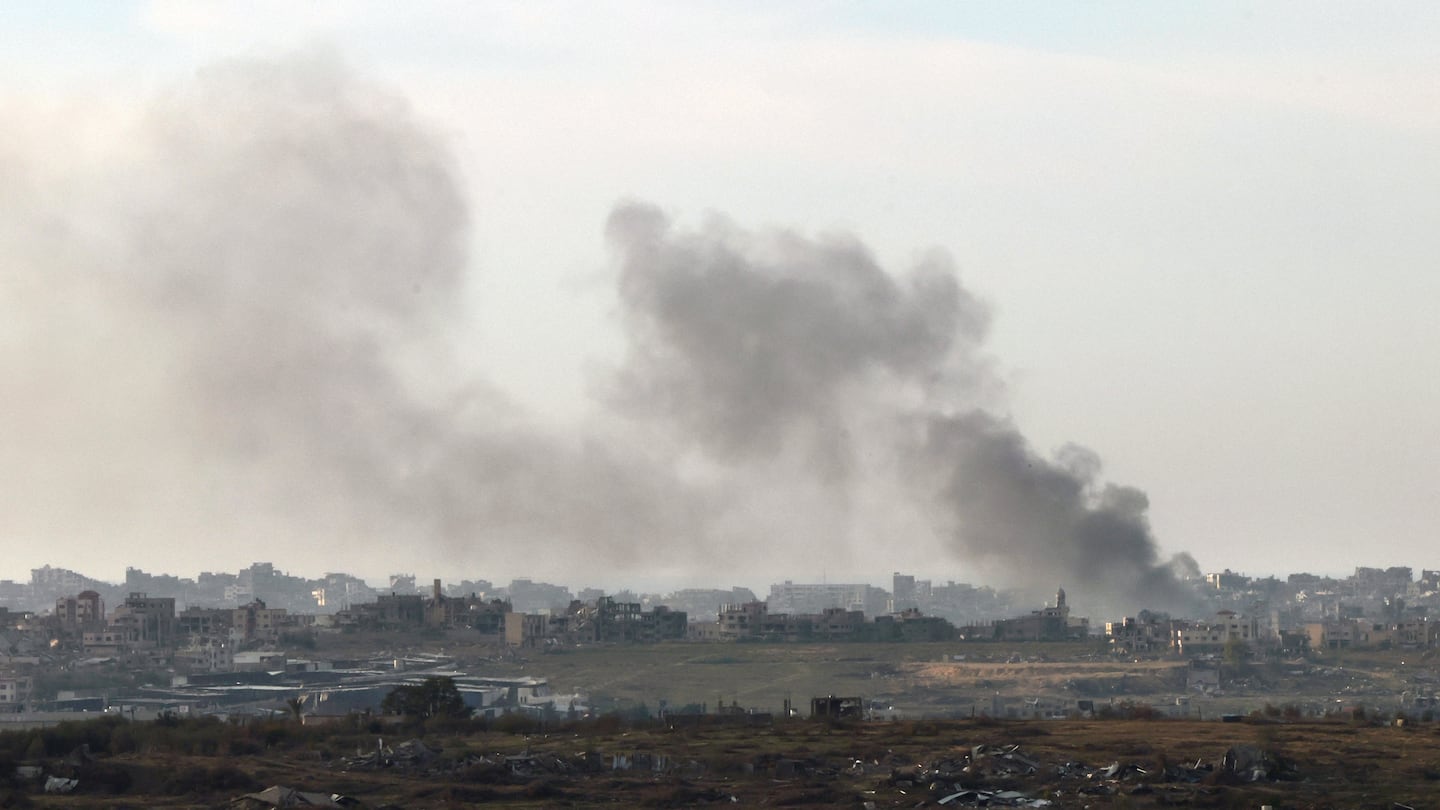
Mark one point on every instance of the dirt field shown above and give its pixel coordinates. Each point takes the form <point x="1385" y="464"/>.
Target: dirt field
<point x="1069" y="764"/>
<point x="921" y="680"/>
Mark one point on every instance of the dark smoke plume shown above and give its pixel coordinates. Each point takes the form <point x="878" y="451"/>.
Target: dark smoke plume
<point x="748" y="344"/>
<point x="1053" y="520"/>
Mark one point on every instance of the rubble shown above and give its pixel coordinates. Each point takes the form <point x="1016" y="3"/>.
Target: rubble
<point x="409" y="755"/>
<point x="983" y="774"/>
<point x="58" y="784"/>
<point x="281" y="796"/>
<point x="1006" y="776"/>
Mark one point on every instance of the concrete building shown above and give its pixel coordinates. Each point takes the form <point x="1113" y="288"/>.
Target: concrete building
<point x="1195" y="638"/>
<point x="525" y="629"/>
<point x="205" y="655"/>
<point x="902" y="592"/>
<point x="1339" y="634"/>
<point x="1143" y="634"/>
<point x="745" y="620"/>
<point x="205" y="623"/>
<point x="149" y="619"/>
<point x="254" y="622"/>
<point x="84" y="611"/>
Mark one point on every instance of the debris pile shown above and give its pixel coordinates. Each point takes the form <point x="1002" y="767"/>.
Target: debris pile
<point x="978" y="776"/>
<point x="1006" y="776"/>
<point x="985" y="777"/>
<point x="282" y="796"/>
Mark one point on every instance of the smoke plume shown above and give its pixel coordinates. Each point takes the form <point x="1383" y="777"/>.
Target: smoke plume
<point x="233" y="335"/>
<point x="750" y="345"/>
<point x="231" y="330"/>
<point x="1052" y="519"/>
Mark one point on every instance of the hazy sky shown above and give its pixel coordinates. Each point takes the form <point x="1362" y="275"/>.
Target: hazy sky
<point x="1206" y="232"/>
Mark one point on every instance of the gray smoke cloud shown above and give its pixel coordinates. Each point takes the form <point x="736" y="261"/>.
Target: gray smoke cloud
<point x="236" y="333"/>
<point x="232" y="333"/>
<point x="1054" y="520"/>
<point x="747" y="344"/>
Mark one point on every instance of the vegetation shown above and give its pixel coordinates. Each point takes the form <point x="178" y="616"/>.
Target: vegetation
<point x="434" y="697"/>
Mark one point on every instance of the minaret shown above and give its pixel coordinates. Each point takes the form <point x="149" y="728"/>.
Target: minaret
<point x="1060" y="602"/>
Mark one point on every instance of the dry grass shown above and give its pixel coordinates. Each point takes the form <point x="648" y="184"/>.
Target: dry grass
<point x="1332" y="765"/>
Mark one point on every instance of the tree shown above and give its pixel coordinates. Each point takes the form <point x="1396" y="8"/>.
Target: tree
<point x="433" y="697"/>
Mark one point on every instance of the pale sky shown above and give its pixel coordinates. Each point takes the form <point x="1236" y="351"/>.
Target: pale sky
<point x="1207" y="230"/>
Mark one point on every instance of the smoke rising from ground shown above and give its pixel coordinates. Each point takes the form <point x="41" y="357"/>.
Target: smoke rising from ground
<point x="747" y="344"/>
<point x="236" y="327"/>
<point x="1053" y="519"/>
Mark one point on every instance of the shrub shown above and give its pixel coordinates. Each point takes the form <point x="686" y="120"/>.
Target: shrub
<point x="196" y="779"/>
<point x="515" y="723"/>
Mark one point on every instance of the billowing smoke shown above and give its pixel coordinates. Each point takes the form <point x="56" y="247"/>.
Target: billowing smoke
<point x="231" y="329"/>
<point x="747" y="344"/>
<point x="235" y="330"/>
<point x="751" y="344"/>
<point x="1053" y="520"/>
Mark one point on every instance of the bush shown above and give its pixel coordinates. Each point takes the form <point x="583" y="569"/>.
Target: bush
<point x="543" y="789"/>
<point x="515" y="723"/>
<point x="105" y="778"/>
<point x="195" y="779"/>
<point x="485" y="773"/>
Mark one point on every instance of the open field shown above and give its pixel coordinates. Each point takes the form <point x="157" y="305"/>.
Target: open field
<point x="928" y="680"/>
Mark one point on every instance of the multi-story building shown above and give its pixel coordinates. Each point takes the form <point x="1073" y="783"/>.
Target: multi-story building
<point x="1381" y="582"/>
<point x="151" y="619"/>
<point x="1212" y="636"/>
<point x="1146" y="634"/>
<point x="1338" y="634"/>
<point x="256" y="622"/>
<point x="84" y="611"/>
<point x="205" y="623"/>
<point x="744" y="620"/>
<point x="113" y="640"/>
<point x="526" y="629"/>
<point x="902" y="592"/>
